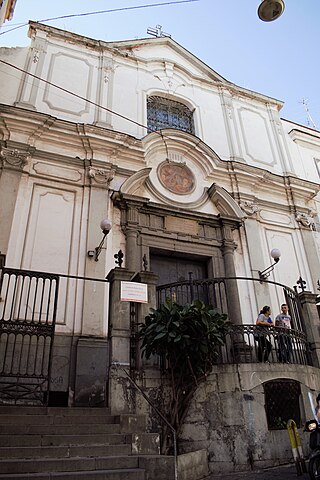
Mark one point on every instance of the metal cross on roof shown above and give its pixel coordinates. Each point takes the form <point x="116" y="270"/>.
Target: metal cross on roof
<point x="157" y="32"/>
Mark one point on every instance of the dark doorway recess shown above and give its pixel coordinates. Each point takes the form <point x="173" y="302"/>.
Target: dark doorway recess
<point x="177" y="268"/>
<point x="58" y="399"/>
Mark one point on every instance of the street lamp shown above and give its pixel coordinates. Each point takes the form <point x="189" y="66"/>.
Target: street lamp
<point x="105" y="226"/>
<point x="275" y="254"/>
<point x="270" y="10"/>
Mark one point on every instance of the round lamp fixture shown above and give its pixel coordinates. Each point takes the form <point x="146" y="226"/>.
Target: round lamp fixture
<point x="105" y="225"/>
<point x="270" y="10"/>
<point x="275" y="254"/>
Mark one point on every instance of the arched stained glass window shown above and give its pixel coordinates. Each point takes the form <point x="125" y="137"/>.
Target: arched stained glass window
<point x="166" y="113"/>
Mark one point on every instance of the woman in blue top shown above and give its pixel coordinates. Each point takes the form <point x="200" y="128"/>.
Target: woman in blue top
<point x="264" y="345"/>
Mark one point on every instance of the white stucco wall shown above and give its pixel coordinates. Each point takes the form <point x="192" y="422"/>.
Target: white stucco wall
<point x="236" y="123"/>
<point x="241" y="144"/>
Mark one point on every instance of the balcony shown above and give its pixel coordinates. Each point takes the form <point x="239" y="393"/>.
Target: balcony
<point x="247" y="343"/>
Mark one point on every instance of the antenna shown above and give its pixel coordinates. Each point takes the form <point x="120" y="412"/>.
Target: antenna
<point x="157" y="32"/>
<point x="310" y="122"/>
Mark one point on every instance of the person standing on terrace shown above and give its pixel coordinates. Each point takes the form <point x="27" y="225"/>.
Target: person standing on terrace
<point x="283" y="320"/>
<point x="264" y="345"/>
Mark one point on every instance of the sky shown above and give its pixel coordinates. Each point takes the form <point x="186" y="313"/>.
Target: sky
<point x="279" y="59"/>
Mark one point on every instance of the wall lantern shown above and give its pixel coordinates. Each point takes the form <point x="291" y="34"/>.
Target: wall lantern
<point x="270" y="10"/>
<point x="275" y="254"/>
<point x="105" y="226"/>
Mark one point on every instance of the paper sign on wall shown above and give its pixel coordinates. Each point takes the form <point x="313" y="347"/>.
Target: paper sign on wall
<point x="134" y="292"/>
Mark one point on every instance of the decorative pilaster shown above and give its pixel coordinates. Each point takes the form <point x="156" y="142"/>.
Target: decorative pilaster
<point x="306" y="222"/>
<point x="130" y="220"/>
<point x="132" y="254"/>
<point x="29" y="86"/>
<point x="97" y="187"/>
<point x="228" y="247"/>
<point x="107" y="68"/>
<point x="255" y="247"/>
<point x="240" y="349"/>
<point x="13" y="159"/>
<point x="234" y="145"/>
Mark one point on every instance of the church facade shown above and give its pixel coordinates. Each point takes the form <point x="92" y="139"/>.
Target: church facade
<point x="199" y="178"/>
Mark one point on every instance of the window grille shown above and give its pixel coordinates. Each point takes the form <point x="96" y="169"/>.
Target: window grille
<point x="282" y="403"/>
<point x="166" y="113"/>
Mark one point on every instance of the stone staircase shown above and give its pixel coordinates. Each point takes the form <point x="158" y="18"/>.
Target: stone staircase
<point x="78" y="443"/>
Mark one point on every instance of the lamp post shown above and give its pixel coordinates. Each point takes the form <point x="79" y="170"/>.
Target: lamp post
<point x="270" y="10"/>
<point x="275" y="254"/>
<point x="105" y="226"/>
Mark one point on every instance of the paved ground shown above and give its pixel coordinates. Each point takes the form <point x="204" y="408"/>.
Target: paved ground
<point x="285" y="472"/>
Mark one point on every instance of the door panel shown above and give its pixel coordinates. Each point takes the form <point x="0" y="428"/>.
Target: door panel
<point x="177" y="269"/>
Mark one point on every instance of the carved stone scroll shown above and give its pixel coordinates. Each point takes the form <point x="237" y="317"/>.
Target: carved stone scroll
<point x="102" y="176"/>
<point x="14" y="157"/>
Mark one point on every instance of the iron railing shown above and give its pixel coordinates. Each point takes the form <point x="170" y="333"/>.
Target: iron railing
<point x="28" y="306"/>
<point x="247" y="343"/>
<point x="29" y="311"/>
<point x="211" y="292"/>
<point x="254" y="344"/>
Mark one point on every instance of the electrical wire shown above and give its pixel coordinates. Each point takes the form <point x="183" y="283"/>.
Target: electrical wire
<point x="163" y="136"/>
<point x="71" y="93"/>
<point x="20" y="25"/>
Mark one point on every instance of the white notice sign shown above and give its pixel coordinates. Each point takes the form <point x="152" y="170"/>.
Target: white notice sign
<point x="134" y="292"/>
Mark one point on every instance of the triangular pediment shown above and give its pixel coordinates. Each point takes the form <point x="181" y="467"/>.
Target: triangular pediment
<point x="171" y="55"/>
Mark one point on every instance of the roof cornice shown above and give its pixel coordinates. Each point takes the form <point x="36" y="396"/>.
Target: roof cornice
<point x="123" y="46"/>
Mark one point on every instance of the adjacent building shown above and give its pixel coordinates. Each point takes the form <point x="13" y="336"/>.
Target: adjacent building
<point x="6" y="10"/>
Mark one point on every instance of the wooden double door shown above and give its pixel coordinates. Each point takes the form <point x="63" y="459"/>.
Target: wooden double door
<point x="172" y="269"/>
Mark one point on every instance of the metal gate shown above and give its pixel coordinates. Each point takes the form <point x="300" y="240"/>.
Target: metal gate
<point x="28" y="306"/>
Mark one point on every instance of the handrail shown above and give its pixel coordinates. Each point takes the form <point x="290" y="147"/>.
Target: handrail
<point x="36" y="273"/>
<point x="284" y="345"/>
<point x="214" y="291"/>
<point x="174" y="433"/>
<point x="222" y="279"/>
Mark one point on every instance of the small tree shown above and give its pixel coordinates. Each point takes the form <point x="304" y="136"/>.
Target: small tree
<point x="188" y="339"/>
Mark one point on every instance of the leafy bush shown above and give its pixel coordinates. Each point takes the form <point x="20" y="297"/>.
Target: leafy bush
<point x="188" y="339"/>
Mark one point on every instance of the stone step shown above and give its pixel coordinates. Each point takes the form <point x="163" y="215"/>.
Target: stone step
<point x="125" y="474"/>
<point x="67" y="464"/>
<point x="72" y="429"/>
<point x="47" y="440"/>
<point x="65" y="411"/>
<point x="129" y="423"/>
<point x="141" y="443"/>
<point x="73" y="443"/>
<point x="65" y="451"/>
<point x="53" y="419"/>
